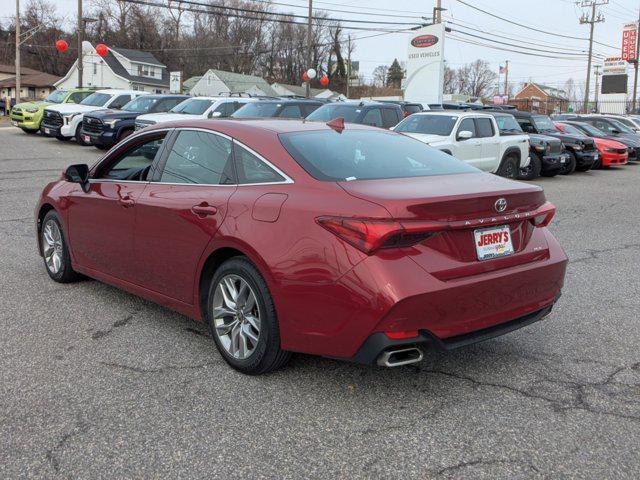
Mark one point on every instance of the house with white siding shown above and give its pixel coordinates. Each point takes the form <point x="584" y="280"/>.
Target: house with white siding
<point x="121" y="68"/>
<point x="219" y="82"/>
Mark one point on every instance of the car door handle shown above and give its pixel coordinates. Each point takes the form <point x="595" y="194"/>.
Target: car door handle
<point x="126" y="201"/>
<point x="204" y="209"/>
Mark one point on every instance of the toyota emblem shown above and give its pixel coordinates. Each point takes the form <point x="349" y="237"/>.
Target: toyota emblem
<point x="500" y="205"/>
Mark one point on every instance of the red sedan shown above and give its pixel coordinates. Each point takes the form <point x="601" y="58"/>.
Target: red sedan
<point x="284" y="236"/>
<point x="611" y="152"/>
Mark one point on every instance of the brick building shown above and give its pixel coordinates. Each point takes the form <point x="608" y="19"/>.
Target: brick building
<point x="535" y="97"/>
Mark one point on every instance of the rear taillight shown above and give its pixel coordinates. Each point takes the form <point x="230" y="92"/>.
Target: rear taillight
<point x="405" y="114"/>
<point x="370" y="235"/>
<point x="544" y="215"/>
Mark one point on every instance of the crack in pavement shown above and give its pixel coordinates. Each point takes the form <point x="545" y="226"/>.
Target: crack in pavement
<point x="481" y="462"/>
<point x="117" y="324"/>
<point x="593" y="254"/>
<point x="577" y="390"/>
<point x="168" y="368"/>
<point x="53" y="453"/>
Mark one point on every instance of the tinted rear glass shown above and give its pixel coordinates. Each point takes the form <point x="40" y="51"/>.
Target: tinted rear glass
<point x="366" y="155"/>
<point x="412" y="108"/>
<point x="257" y="110"/>
<point x="329" y="112"/>
<point x="96" y="99"/>
<point x="192" y="106"/>
<point x="428" y="124"/>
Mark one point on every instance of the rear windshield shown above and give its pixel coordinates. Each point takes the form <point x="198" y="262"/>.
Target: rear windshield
<point x="192" y="106"/>
<point x="328" y="112"/>
<point x="543" y="122"/>
<point x="257" y="110"/>
<point x="412" y="108"/>
<point x="507" y="123"/>
<point x="366" y="155"/>
<point x="96" y="99"/>
<point x="428" y="124"/>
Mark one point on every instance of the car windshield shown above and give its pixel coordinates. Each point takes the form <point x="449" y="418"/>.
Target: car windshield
<point x="507" y="123"/>
<point x="366" y="155"/>
<point x="192" y="106"/>
<point x="591" y="130"/>
<point x="620" y="126"/>
<point x="571" y="130"/>
<point x="441" y="125"/>
<point x="141" y="104"/>
<point x="327" y="113"/>
<point x="96" y="99"/>
<point x="543" y="122"/>
<point x="257" y="110"/>
<point x="56" y="97"/>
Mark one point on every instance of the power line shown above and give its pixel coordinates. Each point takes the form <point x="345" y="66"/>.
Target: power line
<point x="361" y="12"/>
<point x="531" y="28"/>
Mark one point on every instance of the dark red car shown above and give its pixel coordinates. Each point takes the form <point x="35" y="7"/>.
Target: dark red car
<point x="284" y="236"/>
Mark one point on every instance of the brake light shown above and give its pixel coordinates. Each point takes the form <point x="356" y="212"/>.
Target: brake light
<point x="405" y="114"/>
<point x="544" y="216"/>
<point x="369" y="235"/>
<point x="404" y="334"/>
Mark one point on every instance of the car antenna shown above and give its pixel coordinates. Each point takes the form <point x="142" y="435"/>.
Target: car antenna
<point x="336" y="124"/>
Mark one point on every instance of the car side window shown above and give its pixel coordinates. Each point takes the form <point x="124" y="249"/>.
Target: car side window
<point x="291" y="111"/>
<point x="226" y="109"/>
<point x="389" y="117"/>
<point x="77" y="97"/>
<point x="526" y="125"/>
<point x="484" y="127"/>
<point x="199" y="158"/>
<point x="468" y="125"/>
<point x="120" y="101"/>
<point x="134" y="163"/>
<point x="603" y="126"/>
<point x="167" y="104"/>
<point x="373" y="117"/>
<point x="309" y="108"/>
<point x="253" y="170"/>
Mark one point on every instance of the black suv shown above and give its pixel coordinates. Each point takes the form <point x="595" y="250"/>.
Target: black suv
<point x="277" y="107"/>
<point x="545" y="152"/>
<point x="407" y="107"/>
<point x="377" y="114"/>
<point x="581" y="149"/>
<point x="105" y="128"/>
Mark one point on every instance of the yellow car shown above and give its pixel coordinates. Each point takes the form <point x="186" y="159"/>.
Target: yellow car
<point x="28" y="115"/>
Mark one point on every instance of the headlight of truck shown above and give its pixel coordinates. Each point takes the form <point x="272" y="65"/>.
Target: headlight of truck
<point x="540" y="148"/>
<point x="577" y="146"/>
<point x="69" y="117"/>
<point x="110" y="122"/>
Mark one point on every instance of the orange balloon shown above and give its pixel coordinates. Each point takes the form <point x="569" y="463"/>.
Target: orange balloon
<point x="102" y="50"/>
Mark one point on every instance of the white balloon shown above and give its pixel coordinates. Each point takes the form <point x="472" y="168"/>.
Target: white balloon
<point x="311" y="73"/>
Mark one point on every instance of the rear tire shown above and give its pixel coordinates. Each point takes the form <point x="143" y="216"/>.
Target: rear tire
<point x="531" y="171"/>
<point x="570" y="166"/>
<point x="55" y="251"/>
<point x="238" y="301"/>
<point x="509" y="168"/>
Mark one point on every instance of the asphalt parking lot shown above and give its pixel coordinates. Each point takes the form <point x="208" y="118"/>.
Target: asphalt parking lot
<point x="97" y="383"/>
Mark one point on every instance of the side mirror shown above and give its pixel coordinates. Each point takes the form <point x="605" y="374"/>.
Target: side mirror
<point x="215" y="114"/>
<point x="465" y="135"/>
<point x="78" y="174"/>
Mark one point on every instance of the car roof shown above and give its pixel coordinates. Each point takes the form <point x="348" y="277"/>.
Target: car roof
<point x="289" y="100"/>
<point x="453" y="113"/>
<point x="116" y="91"/>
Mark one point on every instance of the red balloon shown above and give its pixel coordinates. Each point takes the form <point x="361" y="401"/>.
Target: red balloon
<point x="304" y="76"/>
<point x="102" y="50"/>
<point x="324" y="81"/>
<point x="62" y="46"/>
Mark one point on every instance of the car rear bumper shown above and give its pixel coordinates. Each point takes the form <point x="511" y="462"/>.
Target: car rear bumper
<point x="378" y="343"/>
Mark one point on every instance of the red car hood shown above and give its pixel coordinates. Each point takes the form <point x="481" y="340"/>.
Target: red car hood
<point x="603" y="143"/>
<point x="447" y="198"/>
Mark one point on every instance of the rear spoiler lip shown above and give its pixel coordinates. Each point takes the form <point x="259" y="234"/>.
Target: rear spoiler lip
<point x="436" y="226"/>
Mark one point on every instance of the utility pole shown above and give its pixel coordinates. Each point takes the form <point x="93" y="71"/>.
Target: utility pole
<point x="506" y="79"/>
<point x="593" y="4"/>
<point x="348" y="64"/>
<point x="309" y="52"/>
<point x="597" y="74"/>
<point x="17" y="52"/>
<point x="635" y="75"/>
<point x="437" y="12"/>
<point x="80" y="35"/>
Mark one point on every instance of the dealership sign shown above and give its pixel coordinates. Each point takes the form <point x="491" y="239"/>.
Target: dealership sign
<point x="175" y="82"/>
<point x="614" y="66"/>
<point x="629" y="39"/>
<point x="425" y="65"/>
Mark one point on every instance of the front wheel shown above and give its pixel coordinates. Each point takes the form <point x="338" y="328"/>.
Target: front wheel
<point x="242" y="318"/>
<point x="55" y="251"/>
<point x="509" y="167"/>
<point x="570" y="165"/>
<point x="531" y="171"/>
<point x="78" y="137"/>
<point x="29" y="131"/>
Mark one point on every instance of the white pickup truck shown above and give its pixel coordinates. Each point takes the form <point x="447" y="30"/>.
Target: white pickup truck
<point x="472" y="137"/>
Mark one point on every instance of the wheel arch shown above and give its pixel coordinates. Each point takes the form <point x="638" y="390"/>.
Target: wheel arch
<point x="42" y="212"/>
<point x="216" y="254"/>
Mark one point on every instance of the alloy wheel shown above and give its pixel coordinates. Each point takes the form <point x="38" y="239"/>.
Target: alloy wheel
<point x="52" y="246"/>
<point x="236" y="316"/>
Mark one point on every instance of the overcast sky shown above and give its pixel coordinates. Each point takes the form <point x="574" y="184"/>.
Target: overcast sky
<point x="560" y="16"/>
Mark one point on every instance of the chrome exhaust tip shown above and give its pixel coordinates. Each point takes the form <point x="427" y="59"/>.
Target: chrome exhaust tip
<point x="400" y="356"/>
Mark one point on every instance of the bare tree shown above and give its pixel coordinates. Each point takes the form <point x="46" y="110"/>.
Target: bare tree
<point x="380" y="75"/>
